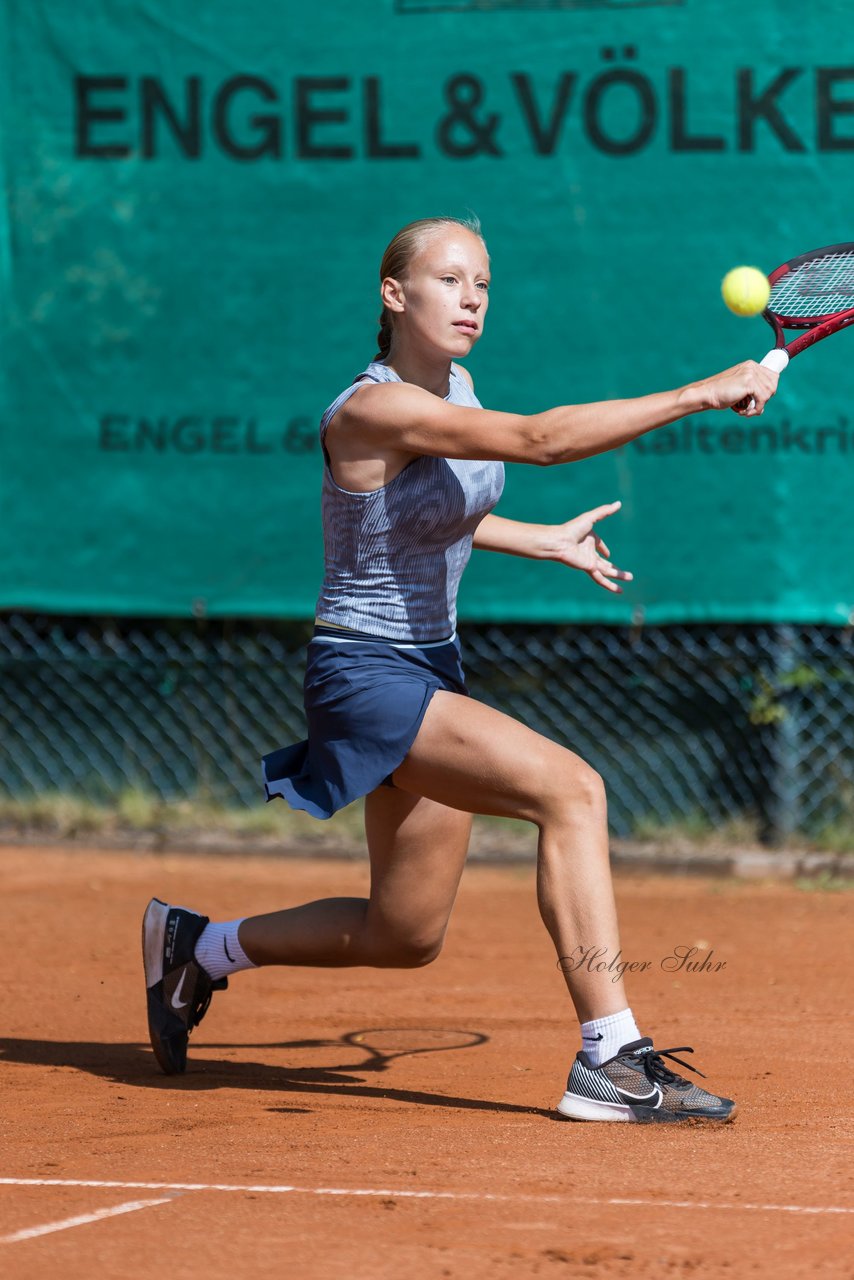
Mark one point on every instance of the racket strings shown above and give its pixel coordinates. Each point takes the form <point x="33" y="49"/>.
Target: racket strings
<point x="819" y="287"/>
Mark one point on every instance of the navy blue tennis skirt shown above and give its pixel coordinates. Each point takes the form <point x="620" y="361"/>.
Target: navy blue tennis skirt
<point x="364" y="703"/>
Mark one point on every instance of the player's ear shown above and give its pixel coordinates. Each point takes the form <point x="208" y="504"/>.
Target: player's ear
<point x="392" y="294"/>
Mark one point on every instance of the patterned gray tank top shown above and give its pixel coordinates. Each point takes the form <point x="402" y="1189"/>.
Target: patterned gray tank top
<point x="394" y="557"/>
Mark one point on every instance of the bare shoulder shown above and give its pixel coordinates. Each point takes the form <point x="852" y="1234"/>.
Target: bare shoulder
<point x="368" y="427"/>
<point x="392" y="420"/>
<point x="379" y="403"/>
<point x="464" y="373"/>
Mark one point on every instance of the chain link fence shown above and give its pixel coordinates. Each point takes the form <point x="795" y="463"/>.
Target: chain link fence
<point x="683" y="722"/>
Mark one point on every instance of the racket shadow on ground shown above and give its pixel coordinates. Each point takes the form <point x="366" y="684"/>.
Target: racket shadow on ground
<point x="345" y="1065"/>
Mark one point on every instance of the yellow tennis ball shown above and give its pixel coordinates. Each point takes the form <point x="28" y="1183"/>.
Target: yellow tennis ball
<point x="746" y="291"/>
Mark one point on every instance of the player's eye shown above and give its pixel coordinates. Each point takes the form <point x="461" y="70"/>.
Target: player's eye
<point x="449" y="279"/>
<point x="484" y="285"/>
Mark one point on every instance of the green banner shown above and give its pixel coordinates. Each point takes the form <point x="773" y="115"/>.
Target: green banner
<point x="195" y="202"/>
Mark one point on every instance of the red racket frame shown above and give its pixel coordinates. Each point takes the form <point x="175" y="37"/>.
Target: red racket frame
<point x="815" y="329"/>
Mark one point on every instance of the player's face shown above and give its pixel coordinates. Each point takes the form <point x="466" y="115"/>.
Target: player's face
<point x="446" y="292"/>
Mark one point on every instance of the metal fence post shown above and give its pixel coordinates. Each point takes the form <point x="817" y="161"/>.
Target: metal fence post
<point x="784" y="799"/>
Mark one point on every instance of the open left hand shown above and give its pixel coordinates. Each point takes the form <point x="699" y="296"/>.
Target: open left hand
<point x="579" y="546"/>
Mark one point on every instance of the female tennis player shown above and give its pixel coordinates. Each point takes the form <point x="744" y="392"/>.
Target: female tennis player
<point x="412" y="471"/>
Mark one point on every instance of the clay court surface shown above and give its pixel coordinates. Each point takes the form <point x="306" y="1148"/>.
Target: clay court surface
<point x="306" y="1142"/>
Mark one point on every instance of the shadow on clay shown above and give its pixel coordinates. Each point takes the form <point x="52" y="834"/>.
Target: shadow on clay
<point x="341" y="1065"/>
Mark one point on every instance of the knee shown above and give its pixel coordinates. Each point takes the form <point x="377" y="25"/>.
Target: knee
<point x="589" y="788"/>
<point x="576" y="790"/>
<point x="408" y="952"/>
<point x="416" y="953"/>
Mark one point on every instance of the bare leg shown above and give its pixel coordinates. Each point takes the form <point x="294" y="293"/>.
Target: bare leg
<point x="417" y="849"/>
<point x="467" y="758"/>
<point x="471" y="757"/>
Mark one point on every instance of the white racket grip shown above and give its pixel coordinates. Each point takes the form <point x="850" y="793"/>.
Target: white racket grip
<point x="776" y="359"/>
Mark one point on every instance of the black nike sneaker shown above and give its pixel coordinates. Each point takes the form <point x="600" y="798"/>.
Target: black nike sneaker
<point x="177" y="987"/>
<point x="637" y="1085"/>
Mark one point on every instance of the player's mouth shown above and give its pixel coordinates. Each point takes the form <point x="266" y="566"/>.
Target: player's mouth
<point x="466" y="326"/>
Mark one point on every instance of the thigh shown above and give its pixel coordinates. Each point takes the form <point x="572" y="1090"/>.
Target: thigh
<point x="417" y="850"/>
<point x="470" y="756"/>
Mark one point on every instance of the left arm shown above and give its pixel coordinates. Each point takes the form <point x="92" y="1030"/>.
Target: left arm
<point x="514" y="537"/>
<point x="573" y="543"/>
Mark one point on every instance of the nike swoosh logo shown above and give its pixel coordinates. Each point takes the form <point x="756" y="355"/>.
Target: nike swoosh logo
<point x="649" y="1100"/>
<point x="177" y="1002"/>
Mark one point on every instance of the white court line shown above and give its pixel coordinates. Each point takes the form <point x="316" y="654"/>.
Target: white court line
<point x="29" y="1233"/>
<point x="285" y="1189"/>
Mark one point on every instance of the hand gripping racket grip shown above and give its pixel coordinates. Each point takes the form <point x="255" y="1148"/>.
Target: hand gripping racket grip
<point x="777" y="359"/>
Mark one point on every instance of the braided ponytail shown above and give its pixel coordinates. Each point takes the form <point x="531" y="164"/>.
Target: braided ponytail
<point x="384" y="336"/>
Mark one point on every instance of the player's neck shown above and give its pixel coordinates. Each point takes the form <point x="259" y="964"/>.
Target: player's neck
<point x="423" y="369"/>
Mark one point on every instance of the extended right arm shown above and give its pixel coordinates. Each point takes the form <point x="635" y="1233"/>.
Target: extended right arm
<point x="404" y="418"/>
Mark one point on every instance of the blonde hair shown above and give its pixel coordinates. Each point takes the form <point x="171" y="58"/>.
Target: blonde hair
<point x="399" y="254"/>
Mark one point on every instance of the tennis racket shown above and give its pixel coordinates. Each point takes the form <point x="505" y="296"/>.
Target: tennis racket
<point x="813" y="292"/>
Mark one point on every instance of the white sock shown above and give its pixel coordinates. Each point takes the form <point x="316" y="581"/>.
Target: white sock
<point x="603" y="1037"/>
<point x="219" y="952"/>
